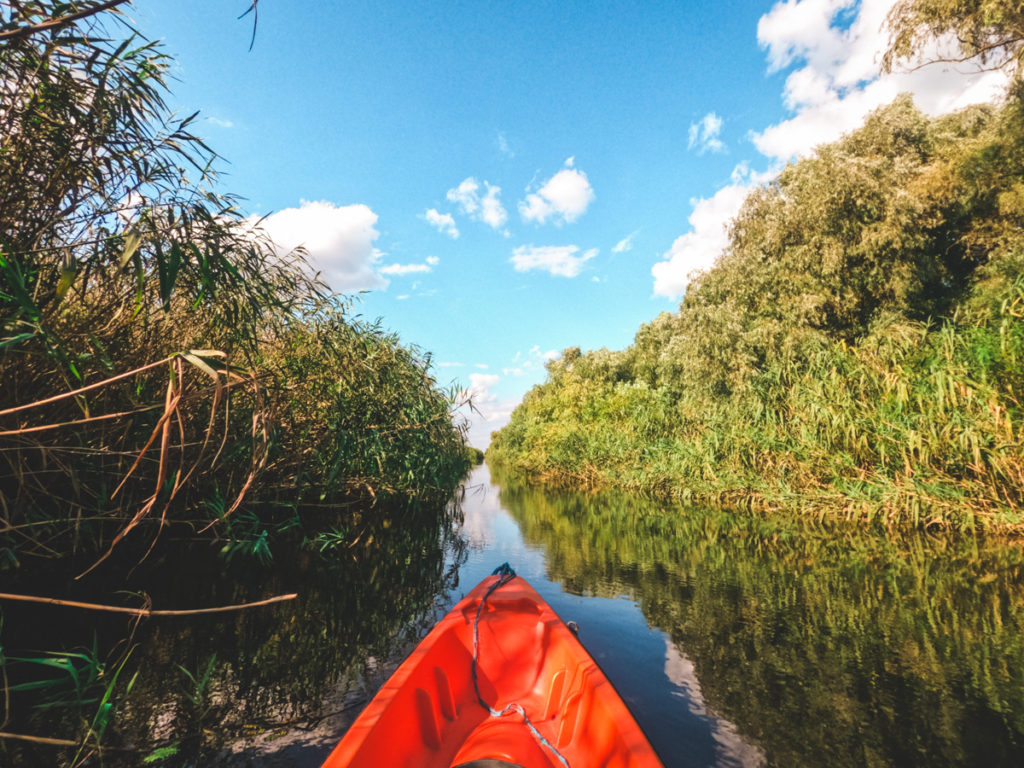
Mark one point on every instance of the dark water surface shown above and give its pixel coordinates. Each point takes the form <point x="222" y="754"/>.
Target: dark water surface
<point x="735" y="641"/>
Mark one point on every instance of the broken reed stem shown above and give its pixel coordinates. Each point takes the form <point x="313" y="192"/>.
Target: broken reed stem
<point x="39" y="739"/>
<point x="144" y="611"/>
<point x="81" y="390"/>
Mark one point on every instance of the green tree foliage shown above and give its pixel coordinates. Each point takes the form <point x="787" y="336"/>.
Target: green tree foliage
<point x="990" y="30"/>
<point x="856" y="347"/>
<point x="158" y="356"/>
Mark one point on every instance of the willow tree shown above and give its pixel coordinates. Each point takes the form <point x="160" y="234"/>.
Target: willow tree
<point x="990" y="31"/>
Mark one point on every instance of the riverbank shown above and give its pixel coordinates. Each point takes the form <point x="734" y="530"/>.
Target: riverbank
<point x="856" y="351"/>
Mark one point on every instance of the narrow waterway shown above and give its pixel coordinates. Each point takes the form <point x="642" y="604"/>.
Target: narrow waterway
<point x="739" y="640"/>
<point x="736" y="640"/>
<point x="510" y="522"/>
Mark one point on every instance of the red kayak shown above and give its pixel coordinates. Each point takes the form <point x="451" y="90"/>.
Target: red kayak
<point x="500" y="682"/>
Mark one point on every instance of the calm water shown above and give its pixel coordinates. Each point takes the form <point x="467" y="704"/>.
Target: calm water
<point x="735" y="641"/>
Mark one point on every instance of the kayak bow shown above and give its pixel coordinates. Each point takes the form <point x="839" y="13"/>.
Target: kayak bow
<point x="500" y="682"/>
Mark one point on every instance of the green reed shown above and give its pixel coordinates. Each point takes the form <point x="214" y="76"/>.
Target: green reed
<point x="156" y="351"/>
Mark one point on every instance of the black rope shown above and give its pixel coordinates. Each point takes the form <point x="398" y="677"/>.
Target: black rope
<point x="505" y="574"/>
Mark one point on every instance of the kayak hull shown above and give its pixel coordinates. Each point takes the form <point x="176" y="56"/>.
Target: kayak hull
<point x="429" y="714"/>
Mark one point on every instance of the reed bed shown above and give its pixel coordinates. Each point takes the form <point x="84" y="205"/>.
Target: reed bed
<point x="160" y="360"/>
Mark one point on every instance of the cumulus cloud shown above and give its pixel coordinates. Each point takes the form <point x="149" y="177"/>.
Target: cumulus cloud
<point x="836" y="82"/>
<point x="531" y="361"/>
<point x="492" y="411"/>
<point x="556" y="259"/>
<point x="339" y="241"/>
<point x="442" y="222"/>
<point x="704" y="134"/>
<point x="563" y="198"/>
<point x="698" y="248"/>
<point x="486" y="207"/>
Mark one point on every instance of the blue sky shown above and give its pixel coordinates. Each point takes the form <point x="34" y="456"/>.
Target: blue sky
<point x="507" y="179"/>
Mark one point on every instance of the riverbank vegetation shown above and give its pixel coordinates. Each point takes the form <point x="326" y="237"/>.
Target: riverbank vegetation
<point x="160" y="361"/>
<point x="856" y="350"/>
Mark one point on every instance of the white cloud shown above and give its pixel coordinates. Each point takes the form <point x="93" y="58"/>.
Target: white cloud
<point x="404" y="269"/>
<point x="433" y="261"/>
<point x="626" y="243"/>
<point x="534" y="360"/>
<point x="704" y="134"/>
<point x="834" y="48"/>
<point x="556" y="259"/>
<point x="562" y="198"/>
<point x="338" y="239"/>
<point x="451" y="365"/>
<point x="492" y="412"/>
<point x="481" y="366"/>
<point x="836" y="80"/>
<point x="700" y="247"/>
<point x="220" y="123"/>
<point x="504" y="147"/>
<point x="486" y="208"/>
<point x="442" y="222"/>
<point x="481" y="383"/>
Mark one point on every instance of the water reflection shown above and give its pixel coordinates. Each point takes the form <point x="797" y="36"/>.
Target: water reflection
<point x="268" y="686"/>
<point x="650" y="672"/>
<point x="821" y="647"/>
<point x="734" y="640"/>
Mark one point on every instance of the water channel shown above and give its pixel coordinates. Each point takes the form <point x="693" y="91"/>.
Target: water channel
<point x="735" y="640"/>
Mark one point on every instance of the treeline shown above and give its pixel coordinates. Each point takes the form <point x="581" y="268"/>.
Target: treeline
<point x="856" y="350"/>
<point x="160" y="361"/>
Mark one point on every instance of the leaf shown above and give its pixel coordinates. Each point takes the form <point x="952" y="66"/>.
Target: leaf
<point x="162" y="753"/>
<point x="201" y="364"/>
<point x="132" y="241"/>
<point x="67" y="277"/>
<point x="208" y="352"/>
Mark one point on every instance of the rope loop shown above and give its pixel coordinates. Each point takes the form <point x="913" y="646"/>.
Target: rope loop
<point x="505" y="574"/>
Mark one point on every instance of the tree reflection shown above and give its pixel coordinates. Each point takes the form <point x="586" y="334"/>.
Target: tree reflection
<point x="825" y="646"/>
<point x="227" y="688"/>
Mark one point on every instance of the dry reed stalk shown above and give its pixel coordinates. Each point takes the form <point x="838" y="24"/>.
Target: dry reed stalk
<point x="145" y="611"/>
